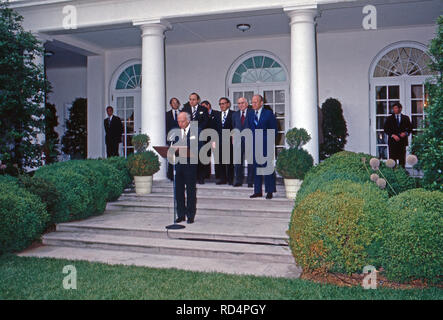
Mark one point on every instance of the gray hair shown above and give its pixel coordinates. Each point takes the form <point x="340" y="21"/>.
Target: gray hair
<point x="188" y="116"/>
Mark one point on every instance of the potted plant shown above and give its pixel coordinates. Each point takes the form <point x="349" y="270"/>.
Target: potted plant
<point x="294" y="162"/>
<point x="143" y="164"/>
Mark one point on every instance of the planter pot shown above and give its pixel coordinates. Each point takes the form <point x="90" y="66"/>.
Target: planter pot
<point x="291" y="187"/>
<point x="143" y="185"/>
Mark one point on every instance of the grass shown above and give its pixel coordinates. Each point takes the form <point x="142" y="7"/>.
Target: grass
<point x="37" y="278"/>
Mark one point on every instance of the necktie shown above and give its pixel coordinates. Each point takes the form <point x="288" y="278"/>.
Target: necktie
<point x="224" y="118"/>
<point x="194" y="111"/>
<point x="242" y="118"/>
<point x="109" y="121"/>
<point x="256" y="118"/>
<point x="175" y="115"/>
<point x="398" y="120"/>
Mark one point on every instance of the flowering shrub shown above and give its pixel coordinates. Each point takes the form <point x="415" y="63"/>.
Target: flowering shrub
<point x="143" y="164"/>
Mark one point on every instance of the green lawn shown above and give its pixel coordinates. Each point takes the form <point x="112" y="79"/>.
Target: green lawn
<point x="35" y="278"/>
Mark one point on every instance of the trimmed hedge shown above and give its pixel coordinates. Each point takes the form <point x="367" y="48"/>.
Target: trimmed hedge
<point x="413" y="244"/>
<point x="349" y="166"/>
<point x="84" y="186"/>
<point x="23" y="216"/>
<point x="120" y="163"/>
<point x="339" y="227"/>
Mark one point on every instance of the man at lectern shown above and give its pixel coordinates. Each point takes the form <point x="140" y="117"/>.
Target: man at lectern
<point x="186" y="171"/>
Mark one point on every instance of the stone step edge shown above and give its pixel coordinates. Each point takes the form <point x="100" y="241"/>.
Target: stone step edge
<point x="202" y="207"/>
<point x="160" y="247"/>
<point x="175" y="262"/>
<point x="208" y="197"/>
<point x="228" y="237"/>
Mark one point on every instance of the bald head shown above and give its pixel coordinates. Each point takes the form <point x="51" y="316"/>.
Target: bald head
<point x="242" y="103"/>
<point x="183" y="119"/>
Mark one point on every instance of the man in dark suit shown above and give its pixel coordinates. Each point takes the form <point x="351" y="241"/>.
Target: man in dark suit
<point x="239" y="121"/>
<point x="398" y="127"/>
<point x="223" y="120"/>
<point x="262" y="118"/>
<point x="171" y="123"/>
<point x="114" y="130"/>
<point x="200" y="114"/>
<point x="186" y="173"/>
<point x="212" y="114"/>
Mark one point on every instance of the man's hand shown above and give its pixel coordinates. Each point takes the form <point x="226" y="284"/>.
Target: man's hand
<point x="403" y="134"/>
<point x="395" y="137"/>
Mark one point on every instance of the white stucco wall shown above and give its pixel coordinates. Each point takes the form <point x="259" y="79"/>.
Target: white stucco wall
<point x="344" y="59"/>
<point x="67" y="85"/>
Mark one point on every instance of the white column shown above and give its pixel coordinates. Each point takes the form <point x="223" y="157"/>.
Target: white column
<point x="153" y="94"/>
<point x="303" y="87"/>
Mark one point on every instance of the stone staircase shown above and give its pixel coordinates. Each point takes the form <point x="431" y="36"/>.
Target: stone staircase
<point x="231" y="233"/>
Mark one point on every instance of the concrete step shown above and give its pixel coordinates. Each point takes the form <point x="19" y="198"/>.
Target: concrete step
<point x="218" y="201"/>
<point x="189" y="248"/>
<point x="260" y="209"/>
<point x="152" y="225"/>
<point x="229" y="266"/>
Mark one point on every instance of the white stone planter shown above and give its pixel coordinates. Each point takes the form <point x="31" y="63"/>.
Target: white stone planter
<point x="143" y="184"/>
<point x="291" y="187"/>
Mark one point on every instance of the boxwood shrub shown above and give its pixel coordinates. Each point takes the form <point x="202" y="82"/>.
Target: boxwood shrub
<point x="339" y="227"/>
<point x="348" y="165"/>
<point x="120" y="163"/>
<point x="413" y="244"/>
<point x="23" y="216"/>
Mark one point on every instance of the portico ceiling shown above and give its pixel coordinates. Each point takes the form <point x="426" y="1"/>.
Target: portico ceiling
<point x="333" y="17"/>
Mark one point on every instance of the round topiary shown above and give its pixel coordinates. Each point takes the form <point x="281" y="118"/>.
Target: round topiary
<point x="413" y="241"/>
<point x="294" y="163"/>
<point x="143" y="164"/>
<point x="296" y="138"/>
<point x="339" y="227"/>
<point x="140" y="142"/>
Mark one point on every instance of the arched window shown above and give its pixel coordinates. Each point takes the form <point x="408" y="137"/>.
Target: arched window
<point x="397" y="74"/>
<point x="259" y="69"/>
<point x="125" y="96"/>
<point x="403" y="61"/>
<point x="130" y="78"/>
<point x="261" y="72"/>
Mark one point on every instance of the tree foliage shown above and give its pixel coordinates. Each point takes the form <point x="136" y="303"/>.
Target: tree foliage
<point x="75" y="139"/>
<point x="50" y="148"/>
<point x="428" y="146"/>
<point x="22" y="91"/>
<point x="334" y="128"/>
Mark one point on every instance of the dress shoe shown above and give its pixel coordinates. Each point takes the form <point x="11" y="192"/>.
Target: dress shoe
<point x="269" y="195"/>
<point x="220" y="182"/>
<point x="237" y="185"/>
<point x="250" y="185"/>
<point x="190" y="220"/>
<point x="256" y="195"/>
<point x="178" y="220"/>
<point x="201" y="181"/>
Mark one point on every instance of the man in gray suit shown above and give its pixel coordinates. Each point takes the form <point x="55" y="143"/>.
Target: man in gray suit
<point x="240" y="122"/>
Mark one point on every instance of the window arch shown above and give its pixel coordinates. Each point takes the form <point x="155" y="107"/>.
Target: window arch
<point x="259" y="68"/>
<point x="397" y="74"/>
<point x="130" y="78"/>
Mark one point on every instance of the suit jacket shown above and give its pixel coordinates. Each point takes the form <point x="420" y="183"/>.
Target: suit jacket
<point x="266" y="121"/>
<point x="171" y="123"/>
<point x="201" y="116"/>
<point x="217" y="122"/>
<point x="236" y="120"/>
<point x="114" y="130"/>
<point x="391" y="127"/>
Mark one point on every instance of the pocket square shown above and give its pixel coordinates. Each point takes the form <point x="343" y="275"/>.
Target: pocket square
<point x="201" y="112"/>
<point x="191" y="137"/>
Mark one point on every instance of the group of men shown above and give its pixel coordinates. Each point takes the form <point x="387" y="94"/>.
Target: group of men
<point x="226" y="172"/>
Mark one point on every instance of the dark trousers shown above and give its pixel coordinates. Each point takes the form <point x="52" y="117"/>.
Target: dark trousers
<point x="112" y="149"/>
<point x="225" y="171"/>
<point x="240" y="172"/>
<point x="398" y="152"/>
<point x="185" y="180"/>
<point x="258" y="181"/>
<point x="170" y="172"/>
